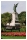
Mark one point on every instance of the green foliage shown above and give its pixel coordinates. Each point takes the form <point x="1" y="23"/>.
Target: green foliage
<point x="6" y="17"/>
<point x="23" y="29"/>
<point x="22" y="16"/>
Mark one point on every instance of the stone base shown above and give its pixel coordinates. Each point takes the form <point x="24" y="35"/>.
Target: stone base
<point x="17" y="26"/>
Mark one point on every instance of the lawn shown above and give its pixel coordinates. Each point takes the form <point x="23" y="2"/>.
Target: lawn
<point x="13" y="37"/>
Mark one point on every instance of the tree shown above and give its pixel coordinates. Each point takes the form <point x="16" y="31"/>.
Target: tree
<point x="5" y="18"/>
<point x="22" y="16"/>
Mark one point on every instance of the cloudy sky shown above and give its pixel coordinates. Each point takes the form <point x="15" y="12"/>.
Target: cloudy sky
<point x="7" y="6"/>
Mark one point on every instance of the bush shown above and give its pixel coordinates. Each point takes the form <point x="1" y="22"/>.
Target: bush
<point x="23" y="29"/>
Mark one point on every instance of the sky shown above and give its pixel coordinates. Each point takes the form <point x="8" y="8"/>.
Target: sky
<point x="7" y="6"/>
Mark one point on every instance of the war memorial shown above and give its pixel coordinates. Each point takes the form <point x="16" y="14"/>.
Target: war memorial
<point x="19" y="33"/>
<point x="15" y="22"/>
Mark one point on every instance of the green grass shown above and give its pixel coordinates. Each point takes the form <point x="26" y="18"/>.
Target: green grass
<point x="13" y="37"/>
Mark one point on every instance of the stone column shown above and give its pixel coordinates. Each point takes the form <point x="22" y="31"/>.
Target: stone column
<point x="13" y="19"/>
